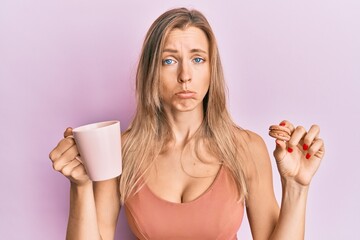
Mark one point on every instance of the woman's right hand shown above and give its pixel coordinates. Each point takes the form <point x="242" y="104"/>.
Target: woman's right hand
<point x="65" y="160"/>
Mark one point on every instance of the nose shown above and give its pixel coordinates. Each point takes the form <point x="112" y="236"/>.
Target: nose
<point x="184" y="73"/>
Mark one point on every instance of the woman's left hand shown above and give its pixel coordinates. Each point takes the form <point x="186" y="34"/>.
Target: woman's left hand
<point x="298" y="158"/>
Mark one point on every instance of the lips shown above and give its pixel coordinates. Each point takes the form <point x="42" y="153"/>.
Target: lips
<point x="185" y="94"/>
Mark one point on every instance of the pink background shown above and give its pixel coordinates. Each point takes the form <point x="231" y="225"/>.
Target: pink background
<point x="67" y="63"/>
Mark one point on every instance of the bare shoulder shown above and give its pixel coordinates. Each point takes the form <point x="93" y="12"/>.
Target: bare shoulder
<point x="251" y="139"/>
<point x="258" y="159"/>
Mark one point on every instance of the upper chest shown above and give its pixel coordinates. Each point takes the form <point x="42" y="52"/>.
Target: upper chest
<point x="182" y="176"/>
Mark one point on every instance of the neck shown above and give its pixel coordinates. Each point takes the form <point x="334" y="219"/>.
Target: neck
<point x="185" y="124"/>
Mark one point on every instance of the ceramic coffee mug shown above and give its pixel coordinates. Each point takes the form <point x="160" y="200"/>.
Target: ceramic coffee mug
<point x="99" y="145"/>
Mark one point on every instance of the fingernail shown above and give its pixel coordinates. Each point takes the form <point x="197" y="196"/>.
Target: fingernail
<point x="305" y="147"/>
<point x="290" y="149"/>
<point x="282" y="124"/>
<point x="308" y="156"/>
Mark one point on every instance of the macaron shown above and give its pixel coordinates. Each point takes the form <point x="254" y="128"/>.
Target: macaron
<point x="280" y="132"/>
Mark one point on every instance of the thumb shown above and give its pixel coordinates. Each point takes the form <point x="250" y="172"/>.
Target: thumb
<point x="280" y="148"/>
<point x="68" y="132"/>
<point x="280" y="144"/>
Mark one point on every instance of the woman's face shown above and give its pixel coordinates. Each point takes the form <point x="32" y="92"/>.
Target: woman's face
<point x="185" y="70"/>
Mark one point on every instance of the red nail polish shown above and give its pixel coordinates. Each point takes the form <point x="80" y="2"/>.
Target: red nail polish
<point x="308" y="156"/>
<point x="282" y="124"/>
<point x="305" y="147"/>
<point x="290" y="149"/>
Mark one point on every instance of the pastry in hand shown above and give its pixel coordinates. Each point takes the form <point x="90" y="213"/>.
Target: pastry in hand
<point x="280" y="132"/>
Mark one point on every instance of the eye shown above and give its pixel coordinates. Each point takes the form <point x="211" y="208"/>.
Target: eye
<point x="168" y="61"/>
<point x="198" y="60"/>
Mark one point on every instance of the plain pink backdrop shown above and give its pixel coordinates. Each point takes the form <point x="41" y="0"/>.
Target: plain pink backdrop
<point x="67" y="63"/>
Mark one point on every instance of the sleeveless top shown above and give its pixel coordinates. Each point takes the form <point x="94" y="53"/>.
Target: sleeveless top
<point x="215" y="214"/>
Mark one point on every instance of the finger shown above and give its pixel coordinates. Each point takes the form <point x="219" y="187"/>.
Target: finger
<point x="77" y="172"/>
<point x="317" y="149"/>
<point x="289" y="125"/>
<point x="312" y="134"/>
<point x="62" y="147"/>
<point x="65" y="158"/>
<point x="296" y="136"/>
<point x="67" y="169"/>
<point x="68" y="132"/>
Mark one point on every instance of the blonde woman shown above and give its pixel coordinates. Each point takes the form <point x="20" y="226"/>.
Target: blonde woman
<point x="188" y="170"/>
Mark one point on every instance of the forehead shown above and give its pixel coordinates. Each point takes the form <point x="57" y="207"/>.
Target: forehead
<point x="190" y="37"/>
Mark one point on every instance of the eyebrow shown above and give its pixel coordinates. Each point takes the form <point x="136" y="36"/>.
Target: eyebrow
<point x="194" y="50"/>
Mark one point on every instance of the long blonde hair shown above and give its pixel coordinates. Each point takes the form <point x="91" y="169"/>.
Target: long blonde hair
<point x="150" y="131"/>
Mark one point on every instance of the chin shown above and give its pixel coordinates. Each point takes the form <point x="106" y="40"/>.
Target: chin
<point x="188" y="107"/>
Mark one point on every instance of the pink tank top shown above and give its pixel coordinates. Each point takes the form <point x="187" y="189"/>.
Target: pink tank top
<point x="216" y="214"/>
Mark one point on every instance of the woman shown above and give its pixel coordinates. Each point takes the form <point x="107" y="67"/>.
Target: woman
<point x="188" y="170"/>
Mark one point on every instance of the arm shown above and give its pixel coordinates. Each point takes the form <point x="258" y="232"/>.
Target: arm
<point x="291" y="222"/>
<point x="82" y="222"/>
<point x="297" y="161"/>
<point x="261" y="206"/>
<point x="94" y="207"/>
<point x="94" y="210"/>
<point x="107" y="199"/>
<point x="296" y="171"/>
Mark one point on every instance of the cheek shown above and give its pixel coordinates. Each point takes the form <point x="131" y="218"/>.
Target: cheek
<point x="165" y="85"/>
<point x="162" y="90"/>
<point x="166" y="89"/>
<point x="167" y="79"/>
<point x="204" y="73"/>
<point x="206" y="80"/>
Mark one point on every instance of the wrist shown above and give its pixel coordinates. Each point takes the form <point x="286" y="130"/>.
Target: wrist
<point x="81" y="193"/>
<point x="292" y="186"/>
<point x="81" y="187"/>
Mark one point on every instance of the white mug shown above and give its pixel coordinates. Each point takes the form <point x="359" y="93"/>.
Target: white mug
<point x="99" y="145"/>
